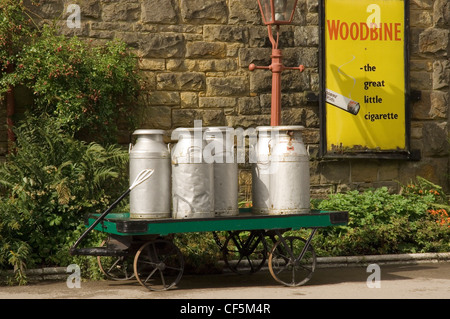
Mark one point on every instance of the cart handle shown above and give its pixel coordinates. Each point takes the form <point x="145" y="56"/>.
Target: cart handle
<point x="140" y="178"/>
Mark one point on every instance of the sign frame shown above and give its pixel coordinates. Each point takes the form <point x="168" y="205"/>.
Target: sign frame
<point x="376" y="153"/>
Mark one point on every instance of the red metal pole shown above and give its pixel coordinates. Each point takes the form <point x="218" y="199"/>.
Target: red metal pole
<point x="276" y="67"/>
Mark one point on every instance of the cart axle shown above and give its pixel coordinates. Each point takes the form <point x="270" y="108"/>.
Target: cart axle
<point x="98" y="251"/>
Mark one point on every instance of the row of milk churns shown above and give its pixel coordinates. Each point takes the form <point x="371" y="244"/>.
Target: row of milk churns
<point x="198" y="176"/>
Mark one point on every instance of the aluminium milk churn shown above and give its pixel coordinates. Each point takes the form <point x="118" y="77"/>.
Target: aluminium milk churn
<point x="260" y="171"/>
<point x="289" y="172"/>
<point x="219" y="150"/>
<point x="151" y="199"/>
<point x="192" y="177"/>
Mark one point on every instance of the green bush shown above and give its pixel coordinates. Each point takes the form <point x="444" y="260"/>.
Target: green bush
<point x="51" y="179"/>
<point x="384" y="223"/>
<point x="49" y="184"/>
<point x="88" y="88"/>
<point x="91" y="89"/>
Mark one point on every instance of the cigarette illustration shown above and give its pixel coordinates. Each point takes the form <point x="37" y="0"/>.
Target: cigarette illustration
<point x="342" y="102"/>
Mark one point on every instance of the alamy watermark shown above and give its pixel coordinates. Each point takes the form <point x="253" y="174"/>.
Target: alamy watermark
<point x="74" y="19"/>
<point x="374" y="279"/>
<point x="226" y="144"/>
<point x="74" y="279"/>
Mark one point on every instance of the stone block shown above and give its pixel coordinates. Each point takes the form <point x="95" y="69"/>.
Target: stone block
<point x="213" y="118"/>
<point x="90" y="9"/>
<point x="227" y="86"/>
<point x="260" y="81"/>
<point x="162" y="45"/>
<point x="217" y="102"/>
<point x="288" y="100"/>
<point x="189" y="99"/>
<point x="185" y="117"/>
<point x="441" y="13"/>
<point x="205" y="11"/>
<point x="49" y="9"/>
<point x="158" y="11"/>
<point x="311" y="136"/>
<point x="152" y="64"/>
<point x="185" y="81"/>
<point x="388" y="171"/>
<point x="421" y="109"/>
<point x="156" y="117"/>
<point x="435" y="139"/>
<point x="441" y="74"/>
<point x="295" y="81"/>
<point x="309" y="57"/>
<point x="244" y="12"/>
<point x="421" y="4"/>
<point x="312" y="117"/>
<point x="312" y="5"/>
<point x="421" y="18"/>
<point x="435" y="170"/>
<point x="439" y="104"/>
<point x="249" y="105"/>
<point x="164" y="98"/>
<point x="364" y="171"/>
<point x="258" y="37"/>
<point x="225" y="33"/>
<point x="306" y="36"/>
<point x="121" y="11"/>
<point x="216" y="65"/>
<point x="421" y="80"/>
<point x="334" y="172"/>
<point x="258" y="56"/>
<point x="246" y="121"/>
<point x="201" y="49"/>
<point x="433" y="40"/>
<point x="293" y="116"/>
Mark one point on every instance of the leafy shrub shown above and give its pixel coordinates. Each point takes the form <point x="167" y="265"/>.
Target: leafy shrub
<point x="383" y="223"/>
<point x="15" y="31"/>
<point x="49" y="184"/>
<point x="88" y="88"/>
<point x="52" y="179"/>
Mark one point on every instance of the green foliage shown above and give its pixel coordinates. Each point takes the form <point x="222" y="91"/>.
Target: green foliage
<point x="383" y="223"/>
<point x="52" y="179"/>
<point x="88" y="88"/>
<point x="15" y="31"/>
<point x="200" y="251"/>
<point x="91" y="89"/>
<point x="49" y="184"/>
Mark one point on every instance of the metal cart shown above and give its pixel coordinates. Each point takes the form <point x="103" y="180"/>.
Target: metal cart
<point x="143" y="248"/>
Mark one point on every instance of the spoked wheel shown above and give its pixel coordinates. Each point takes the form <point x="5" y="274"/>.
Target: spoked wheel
<point x="245" y="252"/>
<point x="158" y="265"/>
<point x="116" y="268"/>
<point x="286" y="263"/>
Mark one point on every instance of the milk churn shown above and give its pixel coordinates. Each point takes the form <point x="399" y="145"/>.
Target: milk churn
<point x="192" y="177"/>
<point x="289" y="172"/>
<point x="151" y="199"/>
<point x="260" y="171"/>
<point x="220" y="151"/>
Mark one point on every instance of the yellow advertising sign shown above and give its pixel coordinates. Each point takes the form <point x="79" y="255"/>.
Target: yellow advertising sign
<point x="365" y="75"/>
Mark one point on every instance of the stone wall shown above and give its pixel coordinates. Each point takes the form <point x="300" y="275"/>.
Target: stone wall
<point x="195" y="56"/>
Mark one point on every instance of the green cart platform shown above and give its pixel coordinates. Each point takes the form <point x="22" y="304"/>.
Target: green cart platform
<point x="143" y="249"/>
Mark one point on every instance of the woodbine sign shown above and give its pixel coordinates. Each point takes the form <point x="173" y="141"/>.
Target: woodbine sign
<point x="365" y="93"/>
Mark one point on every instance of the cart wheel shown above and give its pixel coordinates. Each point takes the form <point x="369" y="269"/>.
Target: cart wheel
<point x="158" y="265"/>
<point x="245" y="252"/>
<point x="116" y="268"/>
<point x="286" y="264"/>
